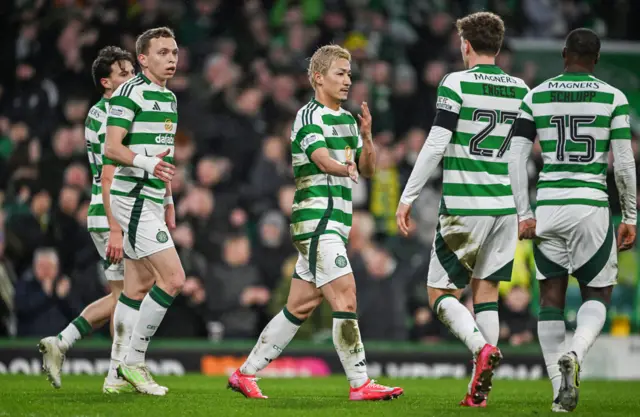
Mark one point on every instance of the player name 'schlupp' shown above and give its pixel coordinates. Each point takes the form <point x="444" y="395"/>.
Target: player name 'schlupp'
<point x="573" y="96"/>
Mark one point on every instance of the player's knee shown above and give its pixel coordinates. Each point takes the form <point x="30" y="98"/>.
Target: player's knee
<point x="484" y="291"/>
<point x="305" y="309"/>
<point x="346" y="301"/>
<point x="175" y="281"/>
<point x="590" y="293"/>
<point x="553" y="293"/>
<point x="435" y="293"/>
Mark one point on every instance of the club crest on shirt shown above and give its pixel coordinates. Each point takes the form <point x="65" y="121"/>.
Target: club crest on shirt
<point x="348" y="153"/>
<point x="168" y="125"/>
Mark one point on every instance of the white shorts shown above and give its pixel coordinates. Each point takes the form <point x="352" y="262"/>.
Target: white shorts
<point x="468" y="247"/>
<point x="321" y="259"/>
<point x="113" y="272"/>
<point x="143" y="224"/>
<point x="576" y="240"/>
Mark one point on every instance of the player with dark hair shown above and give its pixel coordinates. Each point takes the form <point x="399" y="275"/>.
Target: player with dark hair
<point x="577" y="118"/>
<point x="111" y="68"/>
<point x="475" y="240"/>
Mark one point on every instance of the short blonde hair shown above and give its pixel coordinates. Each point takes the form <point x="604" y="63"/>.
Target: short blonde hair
<point x="323" y="58"/>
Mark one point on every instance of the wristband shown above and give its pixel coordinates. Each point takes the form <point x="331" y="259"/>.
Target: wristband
<point x="168" y="200"/>
<point x="148" y="163"/>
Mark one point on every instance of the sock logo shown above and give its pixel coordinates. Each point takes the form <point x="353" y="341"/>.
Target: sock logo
<point x="277" y="348"/>
<point x="475" y="330"/>
<point x="362" y="363"/>
<point x="151" y="327"/>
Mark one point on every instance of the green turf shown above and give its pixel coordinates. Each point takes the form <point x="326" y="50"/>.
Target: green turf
<point x="195" y="395"/>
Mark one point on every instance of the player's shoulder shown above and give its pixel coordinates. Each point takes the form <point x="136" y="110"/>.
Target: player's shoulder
<point x="452" y="79"/>
<point x="98" y="111"/>
<point x="309" y="114"/>
<point x="605" y="87"/>
<point x="519" y="82"/>
<point x="129" y="87"/>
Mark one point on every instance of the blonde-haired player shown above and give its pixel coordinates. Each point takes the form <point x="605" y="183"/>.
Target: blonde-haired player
<point x="327" y="152"/>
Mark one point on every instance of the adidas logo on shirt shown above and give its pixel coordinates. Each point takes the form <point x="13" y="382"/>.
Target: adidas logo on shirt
<point x="156" y="106"/>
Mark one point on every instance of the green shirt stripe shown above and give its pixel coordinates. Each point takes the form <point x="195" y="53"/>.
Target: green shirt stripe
<point x="621" y="133"/>
<point x="473" y="165"/>
<point x="602" y="145"/>
<point x="307" y="130"/>
<point x="149" y="182"/>
<point x="573" y="96"/>
<point x="620" y="111"/>
<point x="96" y="210"/>
<point x="569" y="183"/>
<point x="593" y="168"/>
<point x="160" y="96"/>
<point x="543" y="122"/>
<point x="302" y="215"/>
<point x="305" y="170"/>
<point x="490" y="142"/>
<point x="492" y="90"/>
<point x="125" y="102"/>
<point x="446" y="92"/>
<point x="156" y="117"/>
<point x="322" y="191"/>
<point x="524" y="107"/>
<point x="573" y="201"/>
<point x="476" y="190"/>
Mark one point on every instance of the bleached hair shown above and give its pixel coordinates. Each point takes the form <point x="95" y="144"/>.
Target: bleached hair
<point x="323" y="58"/>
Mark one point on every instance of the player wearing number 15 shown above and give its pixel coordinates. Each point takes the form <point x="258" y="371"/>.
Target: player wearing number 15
<point x="577" y="119"/>
<point x="475" y="238"/>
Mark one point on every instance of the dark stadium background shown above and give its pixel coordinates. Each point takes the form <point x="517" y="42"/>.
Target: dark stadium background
<point x="240" y="80"/>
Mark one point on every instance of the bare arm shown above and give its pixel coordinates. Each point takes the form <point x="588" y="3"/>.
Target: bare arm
<point x="367" y="151"/>
<point x="327" y="164"/>
<point x="114" y="149"/>
<point x="106" y="181"/>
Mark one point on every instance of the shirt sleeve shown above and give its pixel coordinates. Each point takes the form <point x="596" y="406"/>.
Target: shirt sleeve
<point x="309" y="138"/>
<point x="427" y="162"/>
<point x="624" y="165"/>
<point x="122" y="111"/>
<point x="522" y="137"/>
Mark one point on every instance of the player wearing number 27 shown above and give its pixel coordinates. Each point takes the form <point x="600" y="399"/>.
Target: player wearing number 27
<point x="577" y="119"/>
<point x="475" y="237"/>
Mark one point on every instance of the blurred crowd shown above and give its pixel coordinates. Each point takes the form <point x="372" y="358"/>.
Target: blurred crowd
<point x="241" y="79"/>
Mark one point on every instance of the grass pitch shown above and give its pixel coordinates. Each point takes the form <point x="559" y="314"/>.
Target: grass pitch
<point x="196" y="395"/>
